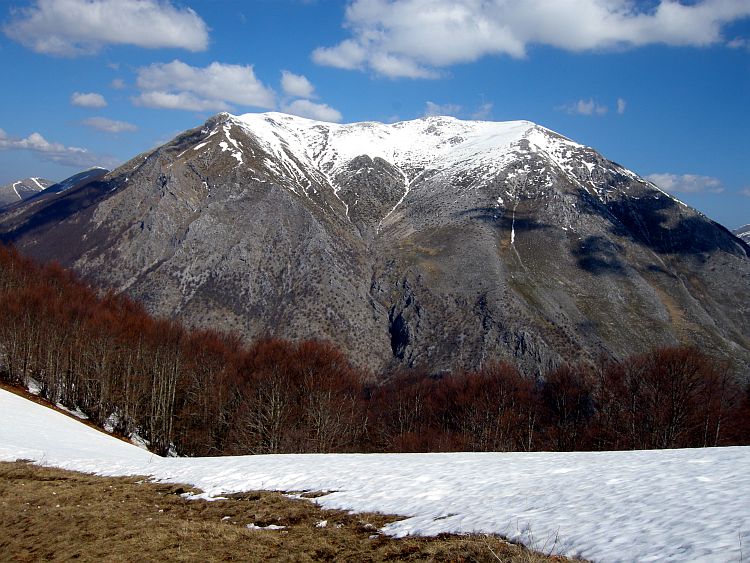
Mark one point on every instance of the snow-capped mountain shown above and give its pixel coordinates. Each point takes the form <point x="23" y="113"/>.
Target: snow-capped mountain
<point x="434" y="242"/>
<point x="743" y="232"/>
<point x="21" y="190"/>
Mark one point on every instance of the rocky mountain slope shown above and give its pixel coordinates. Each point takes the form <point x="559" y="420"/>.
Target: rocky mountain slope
<point x="435" y="242"/>
<point x="21" y="190"/>
<point x="743" y="232"/>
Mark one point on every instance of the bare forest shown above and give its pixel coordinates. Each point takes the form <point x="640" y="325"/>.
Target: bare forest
<point x="208" y="393"/>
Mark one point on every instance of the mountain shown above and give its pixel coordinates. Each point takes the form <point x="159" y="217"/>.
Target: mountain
<point x="743" y="232"/>
<point x="21" y="190"/>
<point x="77" y="180"/>
<point x="435" y="242"/>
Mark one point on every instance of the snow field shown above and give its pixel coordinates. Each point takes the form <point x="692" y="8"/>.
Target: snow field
<point x="669" y="505"/>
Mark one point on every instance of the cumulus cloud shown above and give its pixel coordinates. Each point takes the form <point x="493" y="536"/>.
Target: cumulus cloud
<point x="55" y="152"/>
<point x="88" y="100"/>
<point x="348" y="55"/>
<point x="587" y="107"/>
<point x="180" y="100"/>
<point x="621" y="106"/>
<point x="432" y="109"/>
<point x="745" y="191"/>
<point x="296" y="85"/>
<point x="312" y="110"/>
<point x="686" y="183"/>
<point x="109" y="125"/>
<point x="79" y="27"/>
<point x="413" y="38"/>
<point x="117" y="84"/>
<point x="177" y="85"/>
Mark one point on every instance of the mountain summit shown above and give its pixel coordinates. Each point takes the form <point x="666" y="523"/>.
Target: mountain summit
<point x="435" y="242"/>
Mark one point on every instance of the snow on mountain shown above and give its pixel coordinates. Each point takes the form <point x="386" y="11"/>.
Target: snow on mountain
<point x="669" y="505"/>
<point x="743" y="232"/>
<point x="421" y="142"/>
<point x="309" y="149"/>
<point x="431" y="143"/>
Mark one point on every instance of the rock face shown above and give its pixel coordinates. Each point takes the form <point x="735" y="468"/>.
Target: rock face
<point x="21" y="190"/>
<point x="436" y="242"/>
<point x="743" y="232"/>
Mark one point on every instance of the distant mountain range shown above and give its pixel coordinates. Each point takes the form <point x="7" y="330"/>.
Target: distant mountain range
<point x="435" y="242"/>
<point x="21" y="190"/>
<point x="743" y="232"/>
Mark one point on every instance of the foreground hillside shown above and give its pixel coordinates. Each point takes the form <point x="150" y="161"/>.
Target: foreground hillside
<point x="435" y="243"/>
<point x="607" y="506"/>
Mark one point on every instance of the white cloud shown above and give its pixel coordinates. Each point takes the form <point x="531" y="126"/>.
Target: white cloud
<point x="77" y="27"/>
<point x="177" y="85"/>
<point x="296" y="85"/>
<point x="686" y="183"/>
<point x="55" y="152"/>
<point x="739" y="43"/>
<point x="483" y="111"/>
<point x="312" y="110"/>
<point x="117" y="84"/>
<point x="397" y="66"/>
<point x="413" y="38"/>
<point x="621" y="106"/>
<point x="347" y="55"/>
<point x="109" y="125"/>
<point x="586" y="107"/>
<point x="432" y="109"/>
<point x="181" y="100"/>
<point x="88" y="100"/>
<point x="745" y="191"/>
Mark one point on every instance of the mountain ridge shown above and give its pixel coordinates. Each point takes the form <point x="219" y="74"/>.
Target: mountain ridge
<point x="456" y="243"/>
<point x="21" y="190"/>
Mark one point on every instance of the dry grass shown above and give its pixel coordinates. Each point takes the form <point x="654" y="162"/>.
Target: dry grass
<point x="51" y="514"/>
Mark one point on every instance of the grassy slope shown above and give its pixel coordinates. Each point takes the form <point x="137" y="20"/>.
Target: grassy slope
<point x="51" y="514"/>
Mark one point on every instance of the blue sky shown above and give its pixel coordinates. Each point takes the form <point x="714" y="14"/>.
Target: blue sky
<point x="662" y="87"/>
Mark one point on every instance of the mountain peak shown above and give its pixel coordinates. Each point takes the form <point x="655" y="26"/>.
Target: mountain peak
<point x="427" y="142"/>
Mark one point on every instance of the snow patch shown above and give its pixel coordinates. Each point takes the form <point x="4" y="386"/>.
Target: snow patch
<point x="269" y="527"/>
<point x="77" y="412"/>
<point x="33" y="386"/>
<point x="669" y="505"/>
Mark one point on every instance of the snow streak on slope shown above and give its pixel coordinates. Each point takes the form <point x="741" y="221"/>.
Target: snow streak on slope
<point x="608" y="506"/>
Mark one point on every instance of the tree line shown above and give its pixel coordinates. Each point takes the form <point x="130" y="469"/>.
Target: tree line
<point x="207" y="393"/>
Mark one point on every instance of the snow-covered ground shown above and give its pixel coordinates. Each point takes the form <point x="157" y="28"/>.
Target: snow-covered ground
<point x="687" y="505"/>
